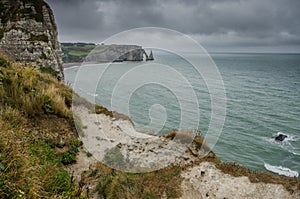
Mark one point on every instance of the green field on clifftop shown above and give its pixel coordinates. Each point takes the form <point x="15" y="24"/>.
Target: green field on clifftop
<point x="76" y="52"/>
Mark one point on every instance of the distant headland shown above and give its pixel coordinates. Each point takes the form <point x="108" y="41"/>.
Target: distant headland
<point x="90" y="52"/>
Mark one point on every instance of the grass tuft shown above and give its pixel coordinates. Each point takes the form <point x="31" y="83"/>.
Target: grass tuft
<point x="116" y="184"/>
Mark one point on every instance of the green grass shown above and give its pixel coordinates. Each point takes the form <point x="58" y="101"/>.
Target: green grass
<point x="43" y="56"/>
<point x="38" y="134"/>
<point x="4" y="62"/>
<point x="49" y="70"/>
<point x="35" y="116"/>
<point x="76" y="52"/>
<point x="116" y="184"/>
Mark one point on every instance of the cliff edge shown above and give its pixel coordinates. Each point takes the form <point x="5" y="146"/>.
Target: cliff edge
<point x="28" y="34"/>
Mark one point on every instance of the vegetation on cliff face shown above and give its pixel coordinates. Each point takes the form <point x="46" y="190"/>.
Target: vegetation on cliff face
<point x="38" y="136"/>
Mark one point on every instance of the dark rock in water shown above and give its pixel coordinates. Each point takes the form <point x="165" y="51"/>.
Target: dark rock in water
<point x="150" y="57"/>
<point x="280" y="137"/>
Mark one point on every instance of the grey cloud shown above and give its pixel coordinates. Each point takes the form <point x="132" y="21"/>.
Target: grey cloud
<point x="228" y="22"/>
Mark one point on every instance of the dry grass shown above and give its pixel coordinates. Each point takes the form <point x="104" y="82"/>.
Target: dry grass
<point x="184" y="137"/>
<point x="35" y="119"/>
<point x="116" y="184"/>
<point x="32" y="92"/>
<point x="187" y="137"/>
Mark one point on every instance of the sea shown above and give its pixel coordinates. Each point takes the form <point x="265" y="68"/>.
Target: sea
<point x="260" y="94"/>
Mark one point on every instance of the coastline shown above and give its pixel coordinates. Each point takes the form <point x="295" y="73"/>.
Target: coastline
<point x="71" y="64"/>
<point x="74" y="64"/>
<point x="200" y="177"/>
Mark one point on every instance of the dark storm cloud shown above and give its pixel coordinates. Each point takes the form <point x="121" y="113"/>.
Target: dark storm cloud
<point x="231" y="23"/>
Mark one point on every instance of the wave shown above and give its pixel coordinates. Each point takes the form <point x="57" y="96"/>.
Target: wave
<point x="83" y="91"/>
<point x="92" y="94"/>
<point x="281" y="170"/>
<point x="71" y="67"/>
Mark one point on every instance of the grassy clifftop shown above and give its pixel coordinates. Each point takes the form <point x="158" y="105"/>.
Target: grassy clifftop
<point x="38" y="136"/>
<point x="76" y="52"/>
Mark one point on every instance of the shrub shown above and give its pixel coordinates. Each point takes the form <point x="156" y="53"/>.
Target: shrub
<point x="43" y="56"/>
<point x="68" y="158"/>
<point x="43" y="38"/>
<point x="4" y="62"/>
<point x="48" y="105"/>
<point x="49" y="70"/>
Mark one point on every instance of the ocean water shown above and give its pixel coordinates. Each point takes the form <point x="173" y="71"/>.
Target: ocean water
<point x="262" y="99"/>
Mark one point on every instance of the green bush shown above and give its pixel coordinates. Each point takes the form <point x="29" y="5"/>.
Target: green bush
<point x="49" y="70"/>
<point x="48" y="105"/>
<point x="4" y="62"/>
<point x="43" y="38"/>
<point x="43" y="56"/>
<point x="68" y="158"/>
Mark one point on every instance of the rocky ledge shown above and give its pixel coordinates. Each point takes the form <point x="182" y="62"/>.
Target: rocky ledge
<point x="115" y="142"/>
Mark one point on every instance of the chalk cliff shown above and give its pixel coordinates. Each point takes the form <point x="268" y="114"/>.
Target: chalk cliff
<point x="28" y="34"/>
<point x="109" y="53"/>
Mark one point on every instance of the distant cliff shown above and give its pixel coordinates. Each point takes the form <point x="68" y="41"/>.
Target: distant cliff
<point x="111" y="53"/>
<point x="28" y="34"/>
<point x="76" y="52"/>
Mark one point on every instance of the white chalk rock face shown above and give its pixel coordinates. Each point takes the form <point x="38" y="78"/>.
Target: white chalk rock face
<point x="28" y="34"/>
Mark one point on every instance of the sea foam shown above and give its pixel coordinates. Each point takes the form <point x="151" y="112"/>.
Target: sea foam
<point x="281" y="170"/>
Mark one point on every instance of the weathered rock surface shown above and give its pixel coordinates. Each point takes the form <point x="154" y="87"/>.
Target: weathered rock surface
<point x="28" y="34"/>
<point x="117" y="144"/>
<point x="110" y="53"/>
<point x="206" y="181"/>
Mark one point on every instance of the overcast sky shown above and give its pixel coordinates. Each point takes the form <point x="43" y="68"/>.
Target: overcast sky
<point x="218" y="25"/>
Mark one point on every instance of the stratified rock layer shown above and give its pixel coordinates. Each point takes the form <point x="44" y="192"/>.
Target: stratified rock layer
<point x="111" y="53"/>
<point x="28" y="34"/>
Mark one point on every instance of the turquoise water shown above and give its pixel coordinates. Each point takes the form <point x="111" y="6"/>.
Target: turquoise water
<point x="263" y="98"/>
